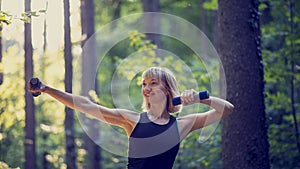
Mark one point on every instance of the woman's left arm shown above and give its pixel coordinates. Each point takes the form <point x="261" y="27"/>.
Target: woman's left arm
<point x="220" y="109"/>
<point x="219" y="105"/>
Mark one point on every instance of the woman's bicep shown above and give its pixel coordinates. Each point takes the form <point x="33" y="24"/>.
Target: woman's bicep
<point x="102" y="113"/>
<point x="199" y="120"/>
<point x="205" y="119"/>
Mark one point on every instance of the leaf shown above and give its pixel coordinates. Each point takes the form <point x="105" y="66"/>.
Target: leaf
<point x="43" y="11"/>
<point x="34" y="14"/>
<point x="262" y="6"/>
<point x="212" y="5"/>
<point x="5" y="18"/>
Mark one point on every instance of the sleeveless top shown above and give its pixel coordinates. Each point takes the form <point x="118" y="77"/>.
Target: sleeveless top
<point x="153" y="146"/>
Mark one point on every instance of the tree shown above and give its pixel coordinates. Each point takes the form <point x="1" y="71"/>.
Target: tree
<point x="152" y="23"/>
<point x="69" y="117"/>
<point x="1" y="54"/>
<point x="203" y="17"/>
<point x="29" y="143"/>
<point x="292" y="78"/>
<point x="88" y="68"/>
<point x="116" y="11"/>
<point x="277" y="48"/>
<point x="244" y="132"/>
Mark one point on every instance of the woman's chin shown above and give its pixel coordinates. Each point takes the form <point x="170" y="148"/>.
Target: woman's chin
<point x="155" y="100"/>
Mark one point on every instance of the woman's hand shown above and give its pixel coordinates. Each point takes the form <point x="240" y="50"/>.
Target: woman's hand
<point x="32" y="89"/>
<point x="187" y="97"/>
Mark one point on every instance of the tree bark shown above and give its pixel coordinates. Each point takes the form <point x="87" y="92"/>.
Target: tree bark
<point x="116" y="12"/>
<point x="244" y="132"/>
<point x="1" y="53"/>
<point x="292" y="63"/>
<point x="69" y="116"/>
<point x="29" y="143"/>
<point x="45" y="163"/>
<point x="203" y="17"/>
<point x="88" y="67"/>
<point x="152" y="23"/>
<point x="215" y="36"/>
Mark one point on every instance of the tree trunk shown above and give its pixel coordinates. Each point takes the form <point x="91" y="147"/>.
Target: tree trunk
<point x="29" y="143"/>
<point x="1" y="54"/>
<point x="244" y="132"/>
<point x="152" y="23"/>
<point x="215" y="37"/>
<point x="116" y="12"/>
<point x="292" y="63"/>
<point x="203" y="17"/>
<point x="88" y="71"/>
<point x="69" y="117"/>
<point x="45" y="136"/>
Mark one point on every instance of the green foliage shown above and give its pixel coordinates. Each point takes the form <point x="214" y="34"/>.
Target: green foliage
<point x="12" y="110"/>
<point x="3" y="165"/>
<point x="139" y="42"/>
<point x="49" y="113"/>
<point x="7" y="18"/>
<point x="200" y="155"/>
<point x="106" y="10"/>
<point x="194" y="11"/>
<point x="188" y="10"/>
<point x="277" y="58"/>
<point x="212" y="5"/>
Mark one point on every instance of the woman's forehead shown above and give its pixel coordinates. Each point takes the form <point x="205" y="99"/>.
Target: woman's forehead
<point x="149" y="78"/>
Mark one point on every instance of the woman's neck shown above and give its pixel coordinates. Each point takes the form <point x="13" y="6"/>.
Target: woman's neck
<point x="158" y="112"/>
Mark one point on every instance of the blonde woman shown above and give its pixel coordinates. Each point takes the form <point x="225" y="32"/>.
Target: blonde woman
<point x="154" y="135"/>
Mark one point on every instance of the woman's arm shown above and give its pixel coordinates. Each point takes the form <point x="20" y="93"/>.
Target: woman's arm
<point x="120" y="117"/>
<point x="220" y="109"/>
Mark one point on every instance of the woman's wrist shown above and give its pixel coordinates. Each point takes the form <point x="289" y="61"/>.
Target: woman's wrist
<point x="206" y="101"/>
<point x="45" y="88"/>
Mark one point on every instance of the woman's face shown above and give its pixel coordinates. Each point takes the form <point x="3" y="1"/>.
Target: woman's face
<point x="153" y="91"/>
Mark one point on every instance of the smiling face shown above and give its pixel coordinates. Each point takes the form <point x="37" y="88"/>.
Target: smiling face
<point x="159" y="86"/>
<point x="154" y="91"/>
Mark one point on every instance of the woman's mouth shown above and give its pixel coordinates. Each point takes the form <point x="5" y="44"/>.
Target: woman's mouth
<point x="148" y="94"/>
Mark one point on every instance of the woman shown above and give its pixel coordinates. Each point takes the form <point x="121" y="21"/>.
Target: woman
<point x="154" y="135"/>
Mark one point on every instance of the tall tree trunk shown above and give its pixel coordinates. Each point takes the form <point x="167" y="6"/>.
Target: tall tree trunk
<point x="215" y="37"/>
<point x="88" y="71"/>
<point x="1" y="54"/>
<point x="292" y="63"/>
<point x="244" y="133"/>
<point x="29" y="143"/>
<point x="152" y="23"/>
<point x="69" y="117"/>
<point x="43" y="58"/>
<point x="116" y="12"/>
<point x="203" y="17"/>
<point x="45" y="136"/>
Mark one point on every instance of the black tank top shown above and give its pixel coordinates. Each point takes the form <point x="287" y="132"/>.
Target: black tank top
<point x="153" y="146"/>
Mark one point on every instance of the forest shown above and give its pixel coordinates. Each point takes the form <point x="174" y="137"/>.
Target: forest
<point x="247" y="52"/>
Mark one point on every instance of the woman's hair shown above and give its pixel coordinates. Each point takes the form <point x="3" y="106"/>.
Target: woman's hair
<point x="168" y="80"/>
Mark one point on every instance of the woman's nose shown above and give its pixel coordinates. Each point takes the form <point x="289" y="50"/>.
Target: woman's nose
<point x="147" y="87"/>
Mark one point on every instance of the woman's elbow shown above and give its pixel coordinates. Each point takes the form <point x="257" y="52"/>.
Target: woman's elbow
<point x="229" y="108"/>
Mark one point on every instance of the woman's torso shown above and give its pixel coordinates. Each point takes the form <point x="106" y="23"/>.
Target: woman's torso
<point x="152" y="145"/>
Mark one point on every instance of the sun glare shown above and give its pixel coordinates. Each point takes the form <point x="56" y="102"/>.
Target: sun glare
<point x="54" y="22"/>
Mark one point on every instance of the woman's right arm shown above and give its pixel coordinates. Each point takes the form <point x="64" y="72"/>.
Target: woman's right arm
<point x="120" y="117"/>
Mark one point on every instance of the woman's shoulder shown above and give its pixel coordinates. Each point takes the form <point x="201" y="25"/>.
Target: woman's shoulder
<point x="130" y="114"/>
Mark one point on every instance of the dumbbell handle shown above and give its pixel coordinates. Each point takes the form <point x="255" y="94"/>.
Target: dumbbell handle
<point x="201" y="96"/>
<point x="35" y="83"/>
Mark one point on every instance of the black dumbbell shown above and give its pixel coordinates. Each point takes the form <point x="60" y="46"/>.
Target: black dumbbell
<point x="35" y="83"/>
